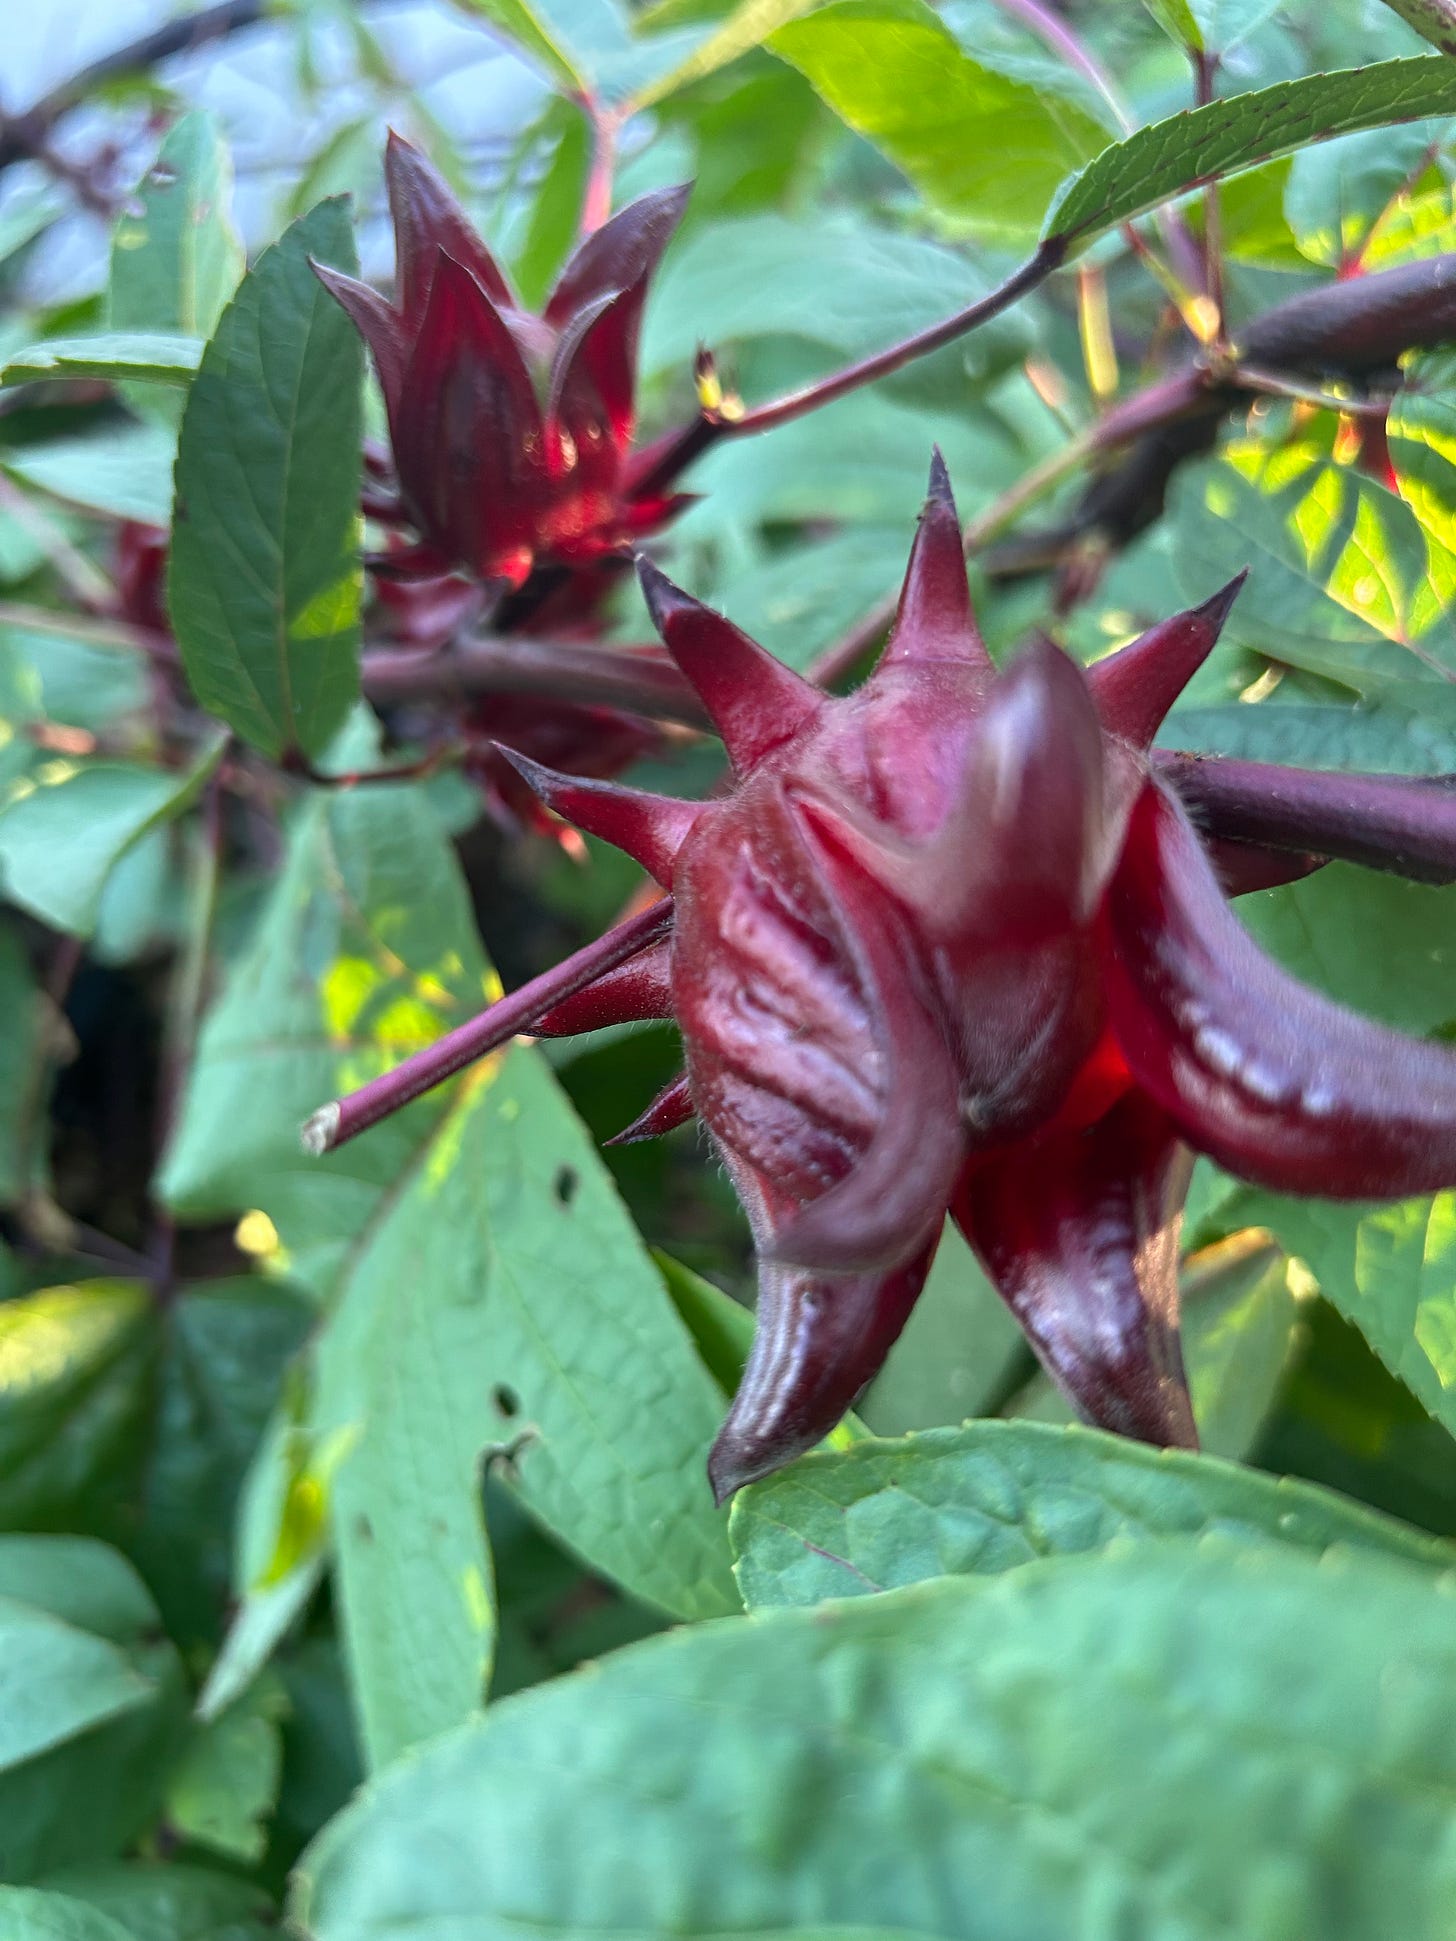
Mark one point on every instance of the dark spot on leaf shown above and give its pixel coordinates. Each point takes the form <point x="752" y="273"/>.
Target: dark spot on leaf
<point x="363" y="1529"/>
<point x="506" y="1400"/>
<point x="566" y="1185"/>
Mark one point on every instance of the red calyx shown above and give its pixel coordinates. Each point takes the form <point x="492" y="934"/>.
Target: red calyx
<point x="512" y="433"/>
<point x="950" y="945"/>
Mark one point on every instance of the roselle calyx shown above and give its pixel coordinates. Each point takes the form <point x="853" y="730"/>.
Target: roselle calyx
<point x="511" y="432"/>
<point x="950" y="945"/>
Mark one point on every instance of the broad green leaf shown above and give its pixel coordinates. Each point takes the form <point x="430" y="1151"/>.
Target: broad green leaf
<point x="92" y="1705"/>
<point x="1342" y="581"/>
<point x="747" y="26"/>
<point x="1172" y="156"/>
<point x="225" y="1785"/>
<point x="1422" y="433"/>
<point x="30" y="1914"/>
<point x="115" y="356"/>
<point x="1338" y="191"/>
<point x="1389" y="1269"/>
<point x="75" y="1369"/>
<point x="63" y="831"/>
<point x="525" y="26"/>
<point x="124" y="472"/>
<point x="1308" y="735"/>
<point x="766" y="276"/>
<point x="169" y="1901"/>
<point x="503" y="1305"/>
<point x="1219" y="26"/>
<point x="223" y="1349"/>
<point x="980" y="146"/>
<point x="1413" y="228"/>
<point x="264" y="584"/>
<point x="364" y="951"/>
<point x="30" y="1040"/>
<point x="1019" y="1759"/>
<point x="993" y="1496"/>
<point x="175" y="256"/>
<point x="56" y="1682"/>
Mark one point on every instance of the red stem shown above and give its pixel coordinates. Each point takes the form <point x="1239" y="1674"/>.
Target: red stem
<point x="346" y="1118"/>
<point x="1403" y="824"/>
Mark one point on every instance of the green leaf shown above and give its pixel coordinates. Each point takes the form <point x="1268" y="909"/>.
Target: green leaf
<point x="124" y="472"/>
<point x="265" y="580"/>
<point x="1177" y="21"/>
<point x="747" y="26"/>
<point x="765" y="276"/>
<point x="92" y="1706"/>
<point x="365" y="951"/>
<point x="1310" y="735"/>
<point x="175" y="256"/>
<point x="1338" y="191"/>
<point x="169" y="1901"/>
<point x="225" y="1786"/>
<point x="533" y="35"/>
<point x="1019" y="1759"/>
<point x="1389" y="1269"/>
<point x="980" y="146"/>
<point x="1422" y="431"/>
<point x="223" y="1349"/>
<point x="31" y="1039"/>
<point x="555" y="205"/>
<point x="503" y="1305"/>
<point x="63" y="832"/>
<point x="1342" y="581"/>
<point x="1170" y="157"/>
<point x="993" y="1496"/>
<point x="29" y="1914"/>
<point x="75" y="1365"/>
<point x="114" y="356"/>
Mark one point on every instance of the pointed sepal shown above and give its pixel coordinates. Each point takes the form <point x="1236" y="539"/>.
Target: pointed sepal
<point x="934" y="621"/>
<point x="672" y="1107"/>
<point x="637" y="992"/>
<point x="756" y="702"/>
<point x="1079" y="1235"/>
<point x="619" y="256"/>
<point x="380" y="326"/>
<point x="650" y="828"/>
<point x="1135" y="688"/>
<point x="427" y="218"/>
<point x="1279" y="1085"/>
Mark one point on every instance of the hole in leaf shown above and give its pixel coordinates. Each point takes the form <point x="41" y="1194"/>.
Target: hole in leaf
<point x="506" y="1400"/>
<point x="566" y="1185"/>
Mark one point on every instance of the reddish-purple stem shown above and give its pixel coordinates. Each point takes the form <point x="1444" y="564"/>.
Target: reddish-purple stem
<point x="344" y="1119"/>
<point x="1400" y="823"/>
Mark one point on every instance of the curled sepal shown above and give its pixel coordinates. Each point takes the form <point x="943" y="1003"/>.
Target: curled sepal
<point x="650" y="828"/>
<point x="672" y="1107"/>
<point x="1135" y="687"/>
<point x="755" y="701"/>
<point x="934" y="621"/>
<point x="1079" y="1235"/>
<point x="819" y="1339"/>
<point x="1275" y="1082"/>
<point x="896" y="1190"/>
<point x="637" y="992"/>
